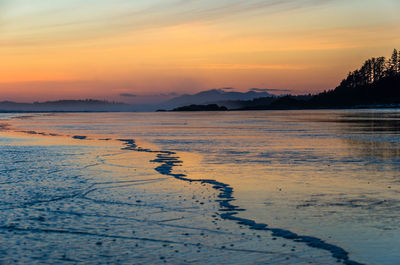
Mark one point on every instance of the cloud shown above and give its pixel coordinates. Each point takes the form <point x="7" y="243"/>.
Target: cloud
<point x="227" y="88"/>
<point x="3" y="10"/>
<point x="254" y="66"/>
<point x="270" y="90"/>
<point x="65" y="20"/>
<point x="128" y="95"/>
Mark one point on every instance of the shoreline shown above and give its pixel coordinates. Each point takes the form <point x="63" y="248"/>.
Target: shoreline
<point x="358" y="107"/>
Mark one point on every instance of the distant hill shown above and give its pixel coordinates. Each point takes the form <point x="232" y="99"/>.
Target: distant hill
<point x="214" y="96"/>
<point x="64" y="106"/>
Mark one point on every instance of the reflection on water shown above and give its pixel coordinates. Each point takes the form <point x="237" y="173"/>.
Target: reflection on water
<point x="373" y="122"/>
<point x="378" y="134"/>
<point x="333" y="174"/>
<point x="374" y="149"/>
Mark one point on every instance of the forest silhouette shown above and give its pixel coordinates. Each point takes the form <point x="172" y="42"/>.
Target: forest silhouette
<point x="376" y="83"/>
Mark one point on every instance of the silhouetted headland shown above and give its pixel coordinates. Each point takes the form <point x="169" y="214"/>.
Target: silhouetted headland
<point x="88" y="105"/>
<point x="375" y="84"/>
<point x="209" y="107"/>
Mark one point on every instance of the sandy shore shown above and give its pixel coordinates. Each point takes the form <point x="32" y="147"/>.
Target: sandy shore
<point x="85" y="200"/>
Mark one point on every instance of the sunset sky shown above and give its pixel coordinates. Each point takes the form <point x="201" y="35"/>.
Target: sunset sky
<point x="72" y="49"/>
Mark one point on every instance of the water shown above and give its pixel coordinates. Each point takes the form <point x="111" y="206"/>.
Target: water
<point x="332" y="175"/>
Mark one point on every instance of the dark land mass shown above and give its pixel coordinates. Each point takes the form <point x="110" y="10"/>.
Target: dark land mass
<point x="375" y="84"/>
<point x="89" y="105"/>
<point x="209" y="107"/>
<point x="283" y="102"/>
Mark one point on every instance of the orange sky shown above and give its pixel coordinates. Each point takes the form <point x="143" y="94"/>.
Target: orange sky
<point x="100" y="49"/>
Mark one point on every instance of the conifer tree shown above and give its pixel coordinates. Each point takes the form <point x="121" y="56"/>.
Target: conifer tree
<point x="393" y="64"/>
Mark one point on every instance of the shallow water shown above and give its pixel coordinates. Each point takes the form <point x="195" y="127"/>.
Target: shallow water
<point x="330" y="175"/>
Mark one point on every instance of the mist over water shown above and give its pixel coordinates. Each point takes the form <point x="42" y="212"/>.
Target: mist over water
<point x="331" y="174"/>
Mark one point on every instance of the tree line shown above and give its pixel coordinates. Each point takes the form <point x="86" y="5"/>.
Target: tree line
<point x="377" y="82"/>
<point x="373" y="70"/>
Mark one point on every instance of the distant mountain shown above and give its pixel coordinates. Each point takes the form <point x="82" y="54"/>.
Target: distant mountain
<point x="213" y="96"/>
<point x="64" y="106"/>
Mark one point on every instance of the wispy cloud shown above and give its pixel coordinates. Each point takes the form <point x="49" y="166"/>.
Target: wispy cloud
<point x="3" y="10"/>
<point x="74" y="20"/>
<point x="253" y="66"/>
<point x="270" y="90"/>
<point x="227" y="88"/>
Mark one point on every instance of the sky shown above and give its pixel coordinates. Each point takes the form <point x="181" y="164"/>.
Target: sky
<point x="143" y="50"/>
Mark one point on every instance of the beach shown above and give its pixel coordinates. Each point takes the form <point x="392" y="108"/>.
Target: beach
<point x="78" y="190"/>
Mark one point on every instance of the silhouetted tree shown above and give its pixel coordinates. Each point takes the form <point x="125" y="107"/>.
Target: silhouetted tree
<point x="398" y="62"/>
<point x="393" y="64"/>
<point x="373" y="70"/>
<point x="378" y="68"/>
<point x="366" y="73"/>
<point x="376" y="82"/>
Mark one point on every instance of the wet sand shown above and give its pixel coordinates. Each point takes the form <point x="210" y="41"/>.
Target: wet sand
<point x="142" y="201"/>
<point x="84" y="201"/>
